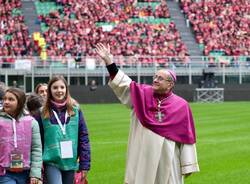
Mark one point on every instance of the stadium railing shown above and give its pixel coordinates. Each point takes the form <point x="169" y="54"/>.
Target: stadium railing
<point x="137" y="66"/>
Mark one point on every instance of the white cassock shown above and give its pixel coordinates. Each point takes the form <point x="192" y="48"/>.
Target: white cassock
<point x="151" y="158"/>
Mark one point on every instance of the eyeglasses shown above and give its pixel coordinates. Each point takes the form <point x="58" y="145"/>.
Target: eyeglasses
<point x="159" y="78"/>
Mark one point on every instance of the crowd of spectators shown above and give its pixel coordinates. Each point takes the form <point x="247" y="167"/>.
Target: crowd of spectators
<point x="219" y="25"/>
<point x="14" y="35"/>
<point x="79" y="34"/>
<point x="73" y="30"/>
<point x="222" y="25"/>
<point x="149" y="1"/>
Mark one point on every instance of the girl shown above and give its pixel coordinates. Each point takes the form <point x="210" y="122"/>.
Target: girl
<point x="41" y="89"/>
<point x="65" y="135"/>
<point x="20" y="142"/>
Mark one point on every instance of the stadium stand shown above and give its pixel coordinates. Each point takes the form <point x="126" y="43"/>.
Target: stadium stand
<point x="14" y="35"/>
<point x="143" y="34"/>
<point x="132" y="28"/>
<point x="221" y="27"/>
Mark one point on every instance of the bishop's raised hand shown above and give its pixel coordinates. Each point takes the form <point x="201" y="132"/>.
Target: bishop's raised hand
<point x="104" y="52"/>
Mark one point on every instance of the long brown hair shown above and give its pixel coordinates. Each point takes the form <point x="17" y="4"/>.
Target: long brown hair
<point x="69" y="102"/>
<point x="21" y="98"/>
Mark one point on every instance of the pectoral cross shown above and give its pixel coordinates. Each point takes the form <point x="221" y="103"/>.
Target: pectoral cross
<point x="159" y="115"/>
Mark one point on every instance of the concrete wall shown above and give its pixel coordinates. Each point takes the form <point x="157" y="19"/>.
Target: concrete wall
<point x="83" y="94"/>
<point x="236" y="92"/>
<point x="103" y="94"/>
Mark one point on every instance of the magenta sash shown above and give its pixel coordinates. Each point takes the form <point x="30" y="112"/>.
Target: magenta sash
<point x="177" y="123"/>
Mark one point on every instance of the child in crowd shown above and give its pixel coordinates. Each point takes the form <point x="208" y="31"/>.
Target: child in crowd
<point x="65" y="135"/>
<point x="34" y="103"/>
<point x="41" y="89"/>
<point x="20" y="142"/>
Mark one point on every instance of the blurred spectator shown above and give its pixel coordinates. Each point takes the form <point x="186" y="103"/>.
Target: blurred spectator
<point x="14" y="84"/>
<point x="2" y="90"/>
<point x="93" y="85"/>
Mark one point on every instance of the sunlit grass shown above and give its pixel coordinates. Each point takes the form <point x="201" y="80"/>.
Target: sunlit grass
<point x="222" y="142"/>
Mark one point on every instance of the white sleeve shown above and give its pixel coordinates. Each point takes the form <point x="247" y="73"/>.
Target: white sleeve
<point x="188" y="158"/>
<point x="121" y="87"/>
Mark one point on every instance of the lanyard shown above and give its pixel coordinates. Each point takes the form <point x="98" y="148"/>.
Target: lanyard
<point x="62" y="126"/>
<point x="14" y="129"/>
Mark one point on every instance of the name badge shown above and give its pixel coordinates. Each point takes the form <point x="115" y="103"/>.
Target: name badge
<point x="66" y="149"/>
<point x="16" y="162"/>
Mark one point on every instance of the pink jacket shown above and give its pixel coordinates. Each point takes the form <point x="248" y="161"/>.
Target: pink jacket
<point x="24" y="140"/>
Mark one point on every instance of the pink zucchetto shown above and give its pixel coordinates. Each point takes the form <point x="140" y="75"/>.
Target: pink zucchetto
<point x="172" y="74"/>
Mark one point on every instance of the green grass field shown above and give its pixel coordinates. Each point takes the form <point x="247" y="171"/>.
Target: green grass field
<point x="223" y="136"/>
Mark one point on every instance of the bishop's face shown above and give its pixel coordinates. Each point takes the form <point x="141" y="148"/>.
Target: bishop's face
<point x="162" y="82"/>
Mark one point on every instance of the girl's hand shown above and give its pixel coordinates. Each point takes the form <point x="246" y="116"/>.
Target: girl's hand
<point x="84" y="176"/>
<point x="35" y="181"/>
